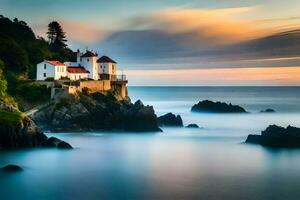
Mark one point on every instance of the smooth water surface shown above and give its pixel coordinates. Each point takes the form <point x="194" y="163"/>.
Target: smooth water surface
<point x="180" y="163"/>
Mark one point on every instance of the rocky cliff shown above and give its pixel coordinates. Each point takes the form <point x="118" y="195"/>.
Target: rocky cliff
<point x="19" y="131"/>
<point x="91" y="112"/>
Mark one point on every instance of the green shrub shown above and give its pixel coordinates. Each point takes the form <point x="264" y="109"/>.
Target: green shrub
<point x="33" y="93"/>
<point x="49" y="79"/>
<point x="65" y="78"/>
<point x="11" y="118"/>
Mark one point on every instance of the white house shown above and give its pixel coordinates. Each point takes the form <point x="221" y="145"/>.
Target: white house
<point x="51" y="69"/>
<point x="89" y="61"/>
<point x="87" y="66"/>
<point x="107" y="68"/>
<point x="77" y="73"/>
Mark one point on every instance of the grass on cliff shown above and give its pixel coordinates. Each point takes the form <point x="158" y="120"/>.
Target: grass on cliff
<point x="11" y="118"/>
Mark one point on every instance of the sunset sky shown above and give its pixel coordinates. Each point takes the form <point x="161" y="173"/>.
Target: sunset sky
<point x="177" y="42"/>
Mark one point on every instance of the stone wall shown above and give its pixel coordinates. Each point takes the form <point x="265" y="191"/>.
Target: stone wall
<point x="93" y="86"/>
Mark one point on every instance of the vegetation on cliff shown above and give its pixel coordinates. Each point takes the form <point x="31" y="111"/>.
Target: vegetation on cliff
<point x="20" y="51"/>
<point x="16" y="129"/>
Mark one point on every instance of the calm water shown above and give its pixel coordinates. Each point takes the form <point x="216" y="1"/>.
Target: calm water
<point x="208" y="163"/>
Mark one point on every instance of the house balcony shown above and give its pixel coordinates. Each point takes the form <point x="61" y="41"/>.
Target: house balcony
<point x="117" y="78"/>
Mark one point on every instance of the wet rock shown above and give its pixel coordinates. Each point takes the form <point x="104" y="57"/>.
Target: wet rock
<point x="217" y="107"/>
<point x="192" y="126"/>
<point x="276" y="136"/>
<point x="54" y="142"/>
<point x="21" y="135"/>
<point x="170" y="119"/>
<point x="269" y="110"/>
<point x="140" y="118"/>
<point x="18" y="130"/>
<point x="12" y="168"/>
<point x="64" y="145"/>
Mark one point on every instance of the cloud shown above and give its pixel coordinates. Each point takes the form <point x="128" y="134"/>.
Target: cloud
<point x="225" y="25"/>
<point x="154" y="49"/>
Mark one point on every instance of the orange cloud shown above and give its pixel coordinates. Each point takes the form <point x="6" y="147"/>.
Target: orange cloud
<point x="219" y="25"/>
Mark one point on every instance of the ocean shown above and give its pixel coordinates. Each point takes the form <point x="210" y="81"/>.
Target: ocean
<point x="208" y="163"/>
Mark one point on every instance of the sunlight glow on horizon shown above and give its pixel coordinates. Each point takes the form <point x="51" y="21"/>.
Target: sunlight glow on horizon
<point x="270" y="76"/>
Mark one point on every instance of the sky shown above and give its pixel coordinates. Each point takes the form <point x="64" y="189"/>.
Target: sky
<point x="177" y="42"/>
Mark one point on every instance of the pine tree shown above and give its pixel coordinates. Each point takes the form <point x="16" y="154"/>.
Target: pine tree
<point x="56" y="36"/>
<point x="51" y="32"/>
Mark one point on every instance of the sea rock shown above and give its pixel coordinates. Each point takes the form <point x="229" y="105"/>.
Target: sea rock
<point x="192" y="126"/>
<point x="57" y="143"/>
<point x="12" y="168"/>
<point x="170" y="119"/>
<point x="269" y="110"/>
<point x="276" y="136"/>
<point x="217" y="107"/>
<point x="64" y="145"/>
<point x="140" y="118"/>
<point x="96" y="112"/>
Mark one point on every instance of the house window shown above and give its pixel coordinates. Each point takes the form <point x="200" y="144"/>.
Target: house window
<point x="45" y="66"/>
<point x="113" y="67"/>
<point x="80" y="59"/>
<point x="45" y="75"/>
<point x="88" y="60"/>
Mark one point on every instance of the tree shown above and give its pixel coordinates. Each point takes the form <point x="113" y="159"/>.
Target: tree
<point x="13" y="55"/>
<point x="56" y="36"/>
<point x="3" y="83"/>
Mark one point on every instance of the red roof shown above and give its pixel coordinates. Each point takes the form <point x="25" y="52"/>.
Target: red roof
<point x="55" y="63"/>
<point x="77" y="70"/>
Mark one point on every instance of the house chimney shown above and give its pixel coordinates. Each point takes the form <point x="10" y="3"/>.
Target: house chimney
<point x="78" y="56"/>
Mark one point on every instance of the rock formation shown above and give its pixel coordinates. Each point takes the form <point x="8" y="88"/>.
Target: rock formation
<point x="269" y="110"/>
<point x="92" y="112"/>
<point x="276" y="136"/>
<point x="217" y="107"/>
<point x="12" y="168"/>
<point x="19" y="131"/>
<point x="192" y="126"/>
<point x="170" y="119"/>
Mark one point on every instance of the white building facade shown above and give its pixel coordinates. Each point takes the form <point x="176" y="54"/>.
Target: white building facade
<point x="107" y="67"/>
<point x="51" y="69"/>
<point x="77" y="73"/>
<point x="87" y="66"/>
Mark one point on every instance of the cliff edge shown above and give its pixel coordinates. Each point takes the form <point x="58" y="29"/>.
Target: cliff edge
<point x="94" y="112"/>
